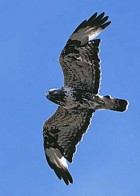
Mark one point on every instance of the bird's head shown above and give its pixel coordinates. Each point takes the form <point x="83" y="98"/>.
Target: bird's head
<point x="56" y="95"/>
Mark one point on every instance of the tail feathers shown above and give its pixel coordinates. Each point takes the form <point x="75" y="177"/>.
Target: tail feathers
<point x="115" y="104"/>
<point x="58" y="163"/>
<point x="121" y="105"/>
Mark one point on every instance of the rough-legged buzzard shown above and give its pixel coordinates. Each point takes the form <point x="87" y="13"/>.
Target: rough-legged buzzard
<point x="79" y="98"/>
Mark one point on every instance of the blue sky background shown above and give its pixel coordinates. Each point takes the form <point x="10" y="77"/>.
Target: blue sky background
<point x="32" y="35"/>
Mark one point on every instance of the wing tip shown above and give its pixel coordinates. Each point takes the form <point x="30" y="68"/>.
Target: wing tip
<point x="58" y="163"/>
<point x="63" y="173"/>
<point x="105" y="25"/>
<point x="90" y="28"/>
<point x="98" y="20"/>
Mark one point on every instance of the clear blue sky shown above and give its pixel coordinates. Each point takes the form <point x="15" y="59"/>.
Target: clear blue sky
<point x="32" y="35"/>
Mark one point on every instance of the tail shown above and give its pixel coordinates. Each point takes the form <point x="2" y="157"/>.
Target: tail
<point x="115" y="104"/>
<point x="121" y="105"/>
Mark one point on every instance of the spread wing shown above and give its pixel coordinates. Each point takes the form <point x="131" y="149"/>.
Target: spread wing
<point x="79" y="58"/>
<point x="61" y="134"/>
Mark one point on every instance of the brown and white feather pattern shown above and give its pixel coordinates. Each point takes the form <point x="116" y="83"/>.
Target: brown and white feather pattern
<point x="62" y="132"/>
<point x="80" y="57"/>
<point x="81" y="67"/>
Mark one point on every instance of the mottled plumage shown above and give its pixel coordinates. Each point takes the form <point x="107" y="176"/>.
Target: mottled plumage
<point x="78" y="99"/>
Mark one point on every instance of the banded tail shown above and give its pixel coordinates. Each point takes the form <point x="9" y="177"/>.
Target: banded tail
<point x="115" y="104"/>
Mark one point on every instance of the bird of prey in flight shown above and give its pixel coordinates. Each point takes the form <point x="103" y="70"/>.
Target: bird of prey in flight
<point x="79" y="98"/>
